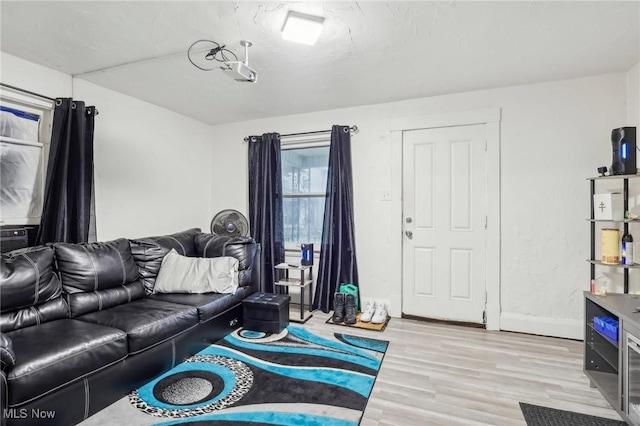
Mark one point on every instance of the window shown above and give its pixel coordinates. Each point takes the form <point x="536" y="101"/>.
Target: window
<point x="304" y="185"/>
<point x="25" y="134"/>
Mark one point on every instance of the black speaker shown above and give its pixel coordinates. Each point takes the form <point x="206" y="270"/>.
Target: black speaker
<point x="306" y="254"/>
<point x="623" y="142"/>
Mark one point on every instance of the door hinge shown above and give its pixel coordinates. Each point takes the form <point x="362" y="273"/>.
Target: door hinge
<point x="486" y="145"/>
<point x="486" y="222"/>
<point x="484" y="317"/>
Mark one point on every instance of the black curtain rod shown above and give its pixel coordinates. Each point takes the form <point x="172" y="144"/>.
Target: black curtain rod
<point x="29" y="92"/>
<point x="353" y="129"/>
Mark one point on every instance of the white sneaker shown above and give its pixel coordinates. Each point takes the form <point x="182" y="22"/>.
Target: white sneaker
<point x="368" y="312"/>
<point x="380" y="316"/>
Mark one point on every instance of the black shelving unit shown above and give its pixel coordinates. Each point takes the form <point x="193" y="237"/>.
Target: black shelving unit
<point x="625" y="223"/>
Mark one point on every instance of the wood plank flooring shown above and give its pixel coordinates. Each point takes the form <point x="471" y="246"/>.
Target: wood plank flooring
<point x="438" y="374"/>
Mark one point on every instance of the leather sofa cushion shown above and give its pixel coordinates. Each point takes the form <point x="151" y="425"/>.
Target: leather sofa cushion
<point x="147" y="322"/>
<point x="30" y="290"/>
<point x="95" y="266"/>
<point x="44" y="312"/>
<point x="56" y="353"/>
<point x="182" y="242"/>
<point x="27" y="278"/>
<point x="242" y="248"/>
<point x="85" y="302"/>
<point x="209" y="304"/>
<point x="148" y="255"/>
<point x="149" y="252"/>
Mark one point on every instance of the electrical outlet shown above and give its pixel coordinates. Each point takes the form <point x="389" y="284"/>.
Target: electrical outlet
<point x="385" y="196"/>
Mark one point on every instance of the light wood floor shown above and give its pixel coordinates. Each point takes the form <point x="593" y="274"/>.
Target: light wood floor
<point x="436" y="374"/>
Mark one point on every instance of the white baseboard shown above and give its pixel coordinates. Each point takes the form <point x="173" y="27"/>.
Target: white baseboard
<point x="544" y="326"/>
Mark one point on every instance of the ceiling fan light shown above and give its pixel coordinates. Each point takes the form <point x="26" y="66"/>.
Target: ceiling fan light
<point x="301" y="28"/>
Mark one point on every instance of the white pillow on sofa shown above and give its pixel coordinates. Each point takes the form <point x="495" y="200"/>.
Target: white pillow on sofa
<point x="181" y="274"/>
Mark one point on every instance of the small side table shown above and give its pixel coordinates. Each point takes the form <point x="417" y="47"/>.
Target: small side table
<point x="302" y="282"/>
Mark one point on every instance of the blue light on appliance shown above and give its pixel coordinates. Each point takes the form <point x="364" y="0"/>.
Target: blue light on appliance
<point x="624" y="150"/>
<point x="306" y="254"/>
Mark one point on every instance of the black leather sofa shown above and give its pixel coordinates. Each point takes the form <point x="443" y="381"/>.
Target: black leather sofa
<point x="80" y="326"/>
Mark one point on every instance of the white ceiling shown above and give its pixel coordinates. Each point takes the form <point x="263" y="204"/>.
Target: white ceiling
<point x="369" y="52"/>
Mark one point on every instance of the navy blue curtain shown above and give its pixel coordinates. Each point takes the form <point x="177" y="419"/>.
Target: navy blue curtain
<point x="265" y="205"/>
<point x="338" y="249"/>
<point x="66" y="212"/>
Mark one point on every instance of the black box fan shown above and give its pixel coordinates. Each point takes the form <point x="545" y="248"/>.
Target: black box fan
<point x="230" y="223"/>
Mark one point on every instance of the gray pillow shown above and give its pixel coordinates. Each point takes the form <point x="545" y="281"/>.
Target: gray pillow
<point x="181" y="274"/>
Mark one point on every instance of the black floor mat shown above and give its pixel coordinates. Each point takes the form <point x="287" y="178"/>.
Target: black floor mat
<point x="536" y="415"/>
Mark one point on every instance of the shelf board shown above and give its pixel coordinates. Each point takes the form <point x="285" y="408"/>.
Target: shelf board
<point x="614" y="177"/>
<point x="285" y="266"/>
<point x="607" y="338"/>
<point x="293" y="282"/>
<point x="599" y="263"/>
<point x="607" y="353"/>
<point x="616" y="221"/>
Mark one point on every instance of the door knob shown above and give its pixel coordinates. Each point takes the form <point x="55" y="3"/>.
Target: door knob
<point x="409" y="234"/>
<point x="409" y="220"/>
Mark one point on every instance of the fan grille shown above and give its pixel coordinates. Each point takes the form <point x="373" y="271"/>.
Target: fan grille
<point x="230" y="223"/>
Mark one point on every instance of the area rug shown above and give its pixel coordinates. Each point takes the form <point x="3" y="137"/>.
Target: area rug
<point x="291" y="378"/>
<point x="535" y="415"/>
<point x="361" y="324"/>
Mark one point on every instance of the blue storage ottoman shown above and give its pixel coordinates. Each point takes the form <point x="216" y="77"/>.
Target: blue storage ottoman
<point x="265" y="312"/>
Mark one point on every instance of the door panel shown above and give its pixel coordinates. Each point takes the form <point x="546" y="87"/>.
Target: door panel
<point x="424" y="162"/>
<point x="444" y="208"/>
<point x="424" y="268"/>
<point x="461" y="172"/>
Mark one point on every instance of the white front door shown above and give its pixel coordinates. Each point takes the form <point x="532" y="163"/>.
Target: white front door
<point x="444" y="223"/>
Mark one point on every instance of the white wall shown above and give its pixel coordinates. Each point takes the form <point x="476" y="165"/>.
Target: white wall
<point x="553" y="136"/>
<point x="152" y="169"/>
<point x="633" y="97"/>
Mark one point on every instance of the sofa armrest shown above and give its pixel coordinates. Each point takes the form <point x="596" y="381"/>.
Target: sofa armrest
<point x="256" y="276"/>
<point x="7" y="354"/>
<point x="4" y="399"/>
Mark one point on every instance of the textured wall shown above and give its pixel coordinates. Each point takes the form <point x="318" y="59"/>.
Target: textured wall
<point x="553" y="136"/>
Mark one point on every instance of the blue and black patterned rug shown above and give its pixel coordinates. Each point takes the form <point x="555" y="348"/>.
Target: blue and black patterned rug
<point x="249" y="378"/>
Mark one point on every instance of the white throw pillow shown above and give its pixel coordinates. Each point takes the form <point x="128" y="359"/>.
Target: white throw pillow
<point x="181" y="274"/>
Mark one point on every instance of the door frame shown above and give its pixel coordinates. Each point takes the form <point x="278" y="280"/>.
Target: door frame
<point x="491" y="118"/>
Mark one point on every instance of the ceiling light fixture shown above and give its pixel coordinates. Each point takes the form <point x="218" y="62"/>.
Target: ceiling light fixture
<point x="301" y="28"/>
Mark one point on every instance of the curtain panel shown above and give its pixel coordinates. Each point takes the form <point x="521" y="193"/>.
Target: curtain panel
<point x="338" y="250"/>
<point x="66" y="214"/>
<point x="265" y="205"/>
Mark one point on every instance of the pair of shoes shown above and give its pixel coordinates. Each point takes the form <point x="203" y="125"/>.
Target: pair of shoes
<point x="344" y="308"/>
<point x="374" y="312"/>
